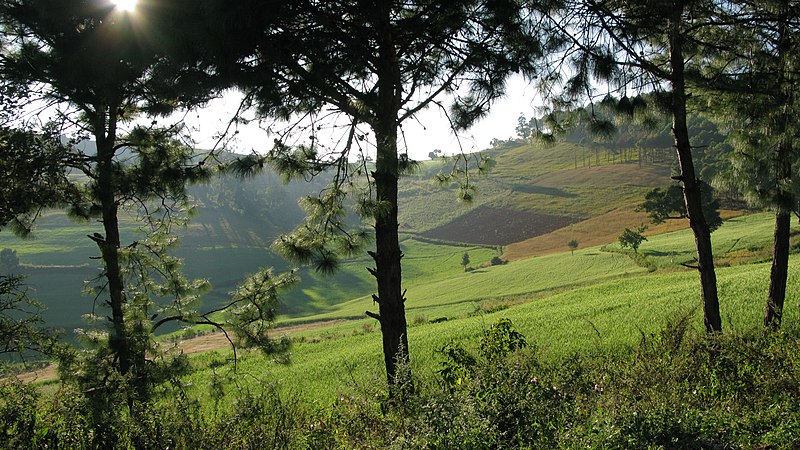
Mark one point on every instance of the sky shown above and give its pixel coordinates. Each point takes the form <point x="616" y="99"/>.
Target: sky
<point x="430" y="132"/>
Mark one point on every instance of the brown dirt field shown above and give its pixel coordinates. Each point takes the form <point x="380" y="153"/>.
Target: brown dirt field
<point x="211" y="341"/>
<point x="608" y="175"/>
<point x="497" y="226"/>
<point x="597" y="230"/>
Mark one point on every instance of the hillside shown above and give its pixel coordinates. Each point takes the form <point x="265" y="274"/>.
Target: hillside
<point x="595" y="301"/>
<point x="533" y="191"/>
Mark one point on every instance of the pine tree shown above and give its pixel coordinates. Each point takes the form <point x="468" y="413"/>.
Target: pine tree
<point x="640" y="46"/>
<point x="756" y="102"/>
<point x="95" y="69"/>
<point x="377" y="64"/>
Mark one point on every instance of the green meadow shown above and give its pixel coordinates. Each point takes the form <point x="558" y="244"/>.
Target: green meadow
<point x="592" y="302"/>
<point x="225" y="242"/>
<point x="600" y="304"/>
<point x="58" y="260"/>
<point x="739" y="235"/>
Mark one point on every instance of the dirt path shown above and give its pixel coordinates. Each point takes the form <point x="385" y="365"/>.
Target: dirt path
<point x="206" y="342"/>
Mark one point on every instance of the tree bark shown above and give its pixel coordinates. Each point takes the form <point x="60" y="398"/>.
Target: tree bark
<point x="783" y="176"/>
<point x="779" y="271"/>
<point x="691" y="185"/>
<point x="390" y="298"/>
<point x="109" y="244"/>
<point x="130" y="357"/>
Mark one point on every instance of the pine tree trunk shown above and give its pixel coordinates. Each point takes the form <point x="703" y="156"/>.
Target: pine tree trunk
<point x="390" y="298"/>
<point x="109" y="245"/>
<point x="129" y="359"/>
<point x="691" y="185"/>
<point x="392" y="315"/>
<point x="779" y="271"/>
<point x="783" y="176"/>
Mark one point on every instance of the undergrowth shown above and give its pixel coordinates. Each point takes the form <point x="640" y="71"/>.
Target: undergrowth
<point x="678" y="389"/>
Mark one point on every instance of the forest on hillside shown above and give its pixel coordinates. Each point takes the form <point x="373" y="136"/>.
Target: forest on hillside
<point x="331" y="84"/>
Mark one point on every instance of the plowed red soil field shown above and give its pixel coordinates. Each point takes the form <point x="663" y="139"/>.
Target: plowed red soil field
<point x="495" y="226"/>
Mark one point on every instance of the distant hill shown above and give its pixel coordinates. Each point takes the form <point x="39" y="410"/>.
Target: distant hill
<point x="534" y="200"/>
<point x="533" y="190"/>
<point x="581" y="188"/>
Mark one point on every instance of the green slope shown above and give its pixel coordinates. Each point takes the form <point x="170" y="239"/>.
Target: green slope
<point x="452" y="293"/>
<point x="237" y="221"/>
<point x="460" y="294"/>
<point x="555" y="179"/>
<point x="591" y="302"/>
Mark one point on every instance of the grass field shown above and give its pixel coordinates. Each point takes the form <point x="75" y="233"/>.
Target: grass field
<point x="59" y="242"/>
<point x="536" y="178"/>
<point x="737" y="237"/>
<point x="606" y="317"/>
<point x="224" y="246"/>
<point x="592" y="301"/>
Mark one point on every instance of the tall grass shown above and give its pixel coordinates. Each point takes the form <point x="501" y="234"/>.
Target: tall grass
<point x="605" y="318"/>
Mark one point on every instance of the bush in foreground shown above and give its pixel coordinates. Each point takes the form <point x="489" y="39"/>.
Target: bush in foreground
<point x="677" y="389"/>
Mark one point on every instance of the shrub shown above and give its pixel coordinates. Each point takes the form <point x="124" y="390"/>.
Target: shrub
<point x="497" y="261"/>
<point x="18" y="415"/>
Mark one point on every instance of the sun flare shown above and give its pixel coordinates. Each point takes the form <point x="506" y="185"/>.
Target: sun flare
<point x="125" y="5"/>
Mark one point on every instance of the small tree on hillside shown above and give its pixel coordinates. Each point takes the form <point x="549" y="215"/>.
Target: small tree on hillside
<point x="663" y="204"/>
<point x="465" y="260"/>
<point x="523" y="128"/>
<point x="573" y="245"/>
<point x="633" y="238"/>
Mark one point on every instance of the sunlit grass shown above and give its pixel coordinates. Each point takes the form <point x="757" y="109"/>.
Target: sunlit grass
<point x="738" y="234"/>
<point x="607" y="317"/>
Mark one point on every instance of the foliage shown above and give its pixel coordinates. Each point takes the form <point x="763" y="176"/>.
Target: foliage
<point x="9" y="261"/>
<point x="501" y="339"/>
<point x="465" y="261"/>
<point x="676" y="388"/>
<point x="22" y="329"/>
<point x="633" y="238"/>
<point x="497" y="261"/>
<point x="256" y="301"/>
<point x="18" y="416"/>
<point x="525" y="128"/>
<point x="662" y="204"/>
<point x="457" y="366"/>
<point x="573" y="245"/>
<point x="32" y="169"/>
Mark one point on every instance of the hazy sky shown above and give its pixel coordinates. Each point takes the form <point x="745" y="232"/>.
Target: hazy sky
<point x="429" y="132"/>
